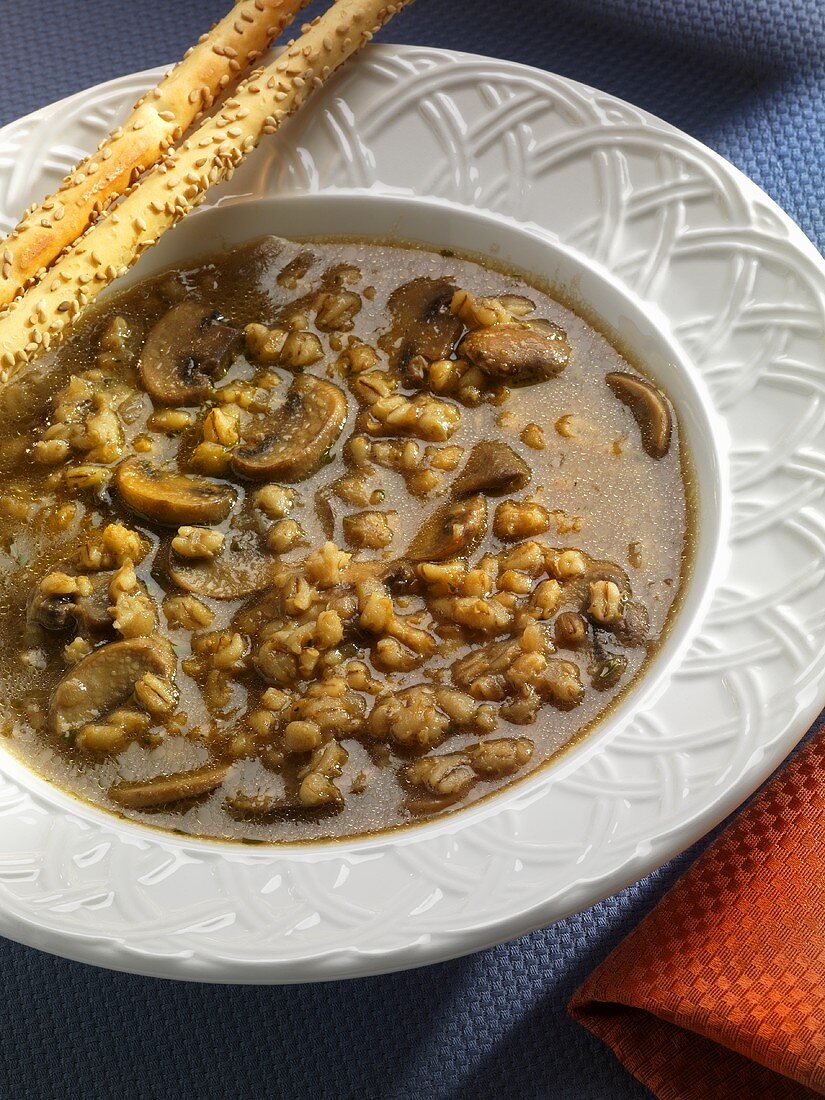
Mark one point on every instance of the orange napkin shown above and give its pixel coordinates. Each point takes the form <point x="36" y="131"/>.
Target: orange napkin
<point x="720" y="991"/>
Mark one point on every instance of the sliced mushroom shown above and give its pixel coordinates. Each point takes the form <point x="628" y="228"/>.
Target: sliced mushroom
<point x="165" y="789"/>
<point x="634" y="625"/>
<point x="606" y="571"/>
<point x="518" y="353"/>
<point x="103" y="679"/>
<point x="492" y="468"/>
<point x="399" y="576"/>
<point x="171" y="498"/>
<point x="185" y="352"/>
<point x="432" y="803"/>
<point x="422" y="322"/>
<point x="517" y="304"/>
<point x="451" y="530"/>
<point x="93" y="613"/>
<point x="649" y="407"/>
<point x="324" y="510"/>
<point x="298" y="435"/>
<point x="571" y="630"/>
<point x="257" y="805"/>
<point x="577" y="591"/>
<point x="607" y="672"/>
<point x="52" y="612"/>
<point x="88" y="614"/>
<point x="239" y="570"/>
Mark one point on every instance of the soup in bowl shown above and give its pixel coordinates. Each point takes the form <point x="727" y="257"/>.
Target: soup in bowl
<point x="312" y="538"/>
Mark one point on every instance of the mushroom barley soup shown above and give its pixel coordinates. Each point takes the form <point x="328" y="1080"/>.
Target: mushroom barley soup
<point x="309" y="540"/>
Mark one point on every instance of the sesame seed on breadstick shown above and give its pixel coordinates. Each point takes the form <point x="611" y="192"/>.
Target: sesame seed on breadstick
<point x="38" y="319"/>
<point x="158" y="120"/>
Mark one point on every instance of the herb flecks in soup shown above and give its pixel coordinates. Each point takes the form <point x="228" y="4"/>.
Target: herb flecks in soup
<point x="310" y="540"/>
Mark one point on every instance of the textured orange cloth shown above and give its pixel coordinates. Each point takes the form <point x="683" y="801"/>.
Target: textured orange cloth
<point x="720" y="991"/>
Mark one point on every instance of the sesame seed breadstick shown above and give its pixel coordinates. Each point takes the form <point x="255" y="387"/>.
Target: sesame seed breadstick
<point x="38" y="319"/>
<point x="158" y="120"/>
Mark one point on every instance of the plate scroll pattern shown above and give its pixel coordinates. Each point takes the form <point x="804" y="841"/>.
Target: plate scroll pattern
<point x="744" y="293"/>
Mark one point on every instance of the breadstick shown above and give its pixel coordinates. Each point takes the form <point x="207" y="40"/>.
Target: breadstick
<point x="158" y="120"/>
<point x="38" y="319"/>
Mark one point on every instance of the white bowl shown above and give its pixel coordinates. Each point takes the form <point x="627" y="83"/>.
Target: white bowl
<point x="703" y="282"/>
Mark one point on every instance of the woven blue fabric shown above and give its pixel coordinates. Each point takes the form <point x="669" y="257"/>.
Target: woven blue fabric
<point x="748" y="78"/>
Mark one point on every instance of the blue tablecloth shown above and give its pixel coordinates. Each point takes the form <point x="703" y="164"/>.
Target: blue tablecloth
<point x="748" y="78"/>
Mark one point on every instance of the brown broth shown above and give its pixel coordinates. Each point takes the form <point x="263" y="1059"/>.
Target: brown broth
<point x="605" y="492"/>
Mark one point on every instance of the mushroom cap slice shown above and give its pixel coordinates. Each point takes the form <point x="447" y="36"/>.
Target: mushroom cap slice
<point x="423" y="323"/>
<point x="518" y="353"/>
<point x="607" y="571"/>
<point x="185" y="351"/>
<point x="89" y="614"/>
<point x="451" y="530"/>
<point x="171" y="498"/>
<point x="492" y="468"/>
<point x="103" y="679"/>
<point x="325" y="511"/>
<point x="259" y="804"/>
<point x="649" y="407"/>
<point x="634" y="626"/>
<point x="297" y="435"/>
<point x="578" y="589"/>
<point x="54" y="613"/>
<point x="161" y="790"/>
<point x="93" y="614"/>
<point x="239" y="570"/>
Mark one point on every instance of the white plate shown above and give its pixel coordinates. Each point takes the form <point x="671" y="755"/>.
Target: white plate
<point x="703" y="276"/>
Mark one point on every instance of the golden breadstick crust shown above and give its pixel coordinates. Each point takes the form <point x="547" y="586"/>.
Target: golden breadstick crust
<point x="158" y="120"/>
<point x="38" y="319"/>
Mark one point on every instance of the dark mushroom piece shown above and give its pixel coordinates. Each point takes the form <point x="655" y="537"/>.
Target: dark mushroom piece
<point x="185" y="352"/>
<point x="399" y="577"/>
<point x="420" y="804"/>
<point x="571" y="630"/>
<point x="493" y="468"/>
<point x="423" y="324"/>
<point x="162" y="790"/>
<point x="578" y="590"/>
<point x="103" y="679"/>
<point x="298" y="435"/>
<point x="607" y="672"/>
<point x="265" y="606"/>
<point x="324" y="510"/>
<point x="517" y="304"/>
<point x="243" y="806"/>
<point x="517" y="353"/>
<point x="93" y="613"/>
<point x="88" y="614"/>
<point x="632" y="629"/>
<point x="263" y="805"/>
<point x="451" y="530"/>
<point x="607" y="571"/>
<point x="171" y="498"/>
<point x="238" y="570"/>
<point x="397" y="574"/>
<point x="55" y="612"/>
<point x="649" y="407"/>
